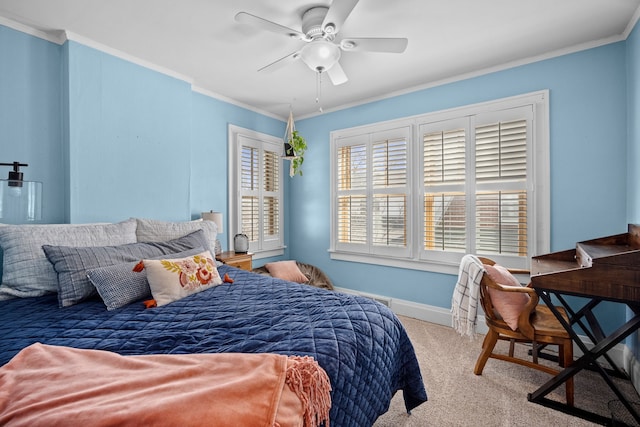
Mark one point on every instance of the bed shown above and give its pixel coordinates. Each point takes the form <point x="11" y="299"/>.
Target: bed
<point x="359" y="342"/>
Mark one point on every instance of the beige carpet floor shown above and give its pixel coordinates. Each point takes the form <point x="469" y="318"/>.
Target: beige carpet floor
<point x="498" y="397"/>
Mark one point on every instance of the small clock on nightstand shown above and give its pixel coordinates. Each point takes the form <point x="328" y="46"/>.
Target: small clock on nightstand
<point x="242" y="261"/>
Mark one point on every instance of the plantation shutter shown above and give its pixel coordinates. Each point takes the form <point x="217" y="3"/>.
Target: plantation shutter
<point x="271" y="200"/>
<point x="352" y="198"/>
<point x="389" y="220"/>
<point x="501" y="187"/>
<point x="250" y="209"/>
<point x="372" y="192"/>
<point x="260" y="194"/>
<point x="255" y="191"/>
<point x="444" y="198"/>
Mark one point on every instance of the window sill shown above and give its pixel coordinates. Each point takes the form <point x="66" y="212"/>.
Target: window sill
<point x="268" y="253"/>
<point x="430" y="266"/>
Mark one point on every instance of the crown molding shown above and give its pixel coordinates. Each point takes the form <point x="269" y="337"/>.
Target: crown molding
<point x="210" y="94"/>
<point x="632" y="23"/>
<point x="127" y="57"/>
<point x="476" y="73"/>
<point x="52" y="36"/>
<point x="60" y="37"/>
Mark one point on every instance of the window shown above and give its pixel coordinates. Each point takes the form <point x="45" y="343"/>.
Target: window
<point x="255" y="190"/>
<point x="422" y="192"/>
<point x="373" y="191"/>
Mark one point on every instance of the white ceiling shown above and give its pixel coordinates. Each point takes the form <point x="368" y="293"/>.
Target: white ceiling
<point x="199" y="40"/>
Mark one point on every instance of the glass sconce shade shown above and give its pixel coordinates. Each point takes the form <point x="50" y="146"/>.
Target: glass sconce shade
<point x="20" y="201"/>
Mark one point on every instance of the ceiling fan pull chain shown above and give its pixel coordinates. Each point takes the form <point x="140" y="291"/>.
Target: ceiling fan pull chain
<point x="319" y="90"/>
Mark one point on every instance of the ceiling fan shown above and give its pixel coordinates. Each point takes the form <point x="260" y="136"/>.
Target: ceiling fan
<point x="322" y="51"/>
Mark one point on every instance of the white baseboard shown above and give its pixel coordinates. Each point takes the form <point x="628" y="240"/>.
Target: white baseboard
<point x="428" y="313"/>
<point x="620" y="354"/>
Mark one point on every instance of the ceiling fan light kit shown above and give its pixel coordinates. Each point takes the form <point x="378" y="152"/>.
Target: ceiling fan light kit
<point x="322" y="53"/>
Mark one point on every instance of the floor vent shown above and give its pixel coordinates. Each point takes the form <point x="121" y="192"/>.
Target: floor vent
<point x="381" y="300"/>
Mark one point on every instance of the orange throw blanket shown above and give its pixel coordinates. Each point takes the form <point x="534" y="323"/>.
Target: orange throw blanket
<point x="50" y="385"/>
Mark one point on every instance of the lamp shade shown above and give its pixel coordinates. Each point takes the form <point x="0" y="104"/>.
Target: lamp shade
<point x="215" y="217"/>
<point x="20" y="201"/>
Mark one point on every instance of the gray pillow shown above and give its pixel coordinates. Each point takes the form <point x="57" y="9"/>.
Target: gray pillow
<point x="72" y="263"/>
<point x="118" y="285"/>
<point x="151" y="230"/>
<point x="26" y="271"/>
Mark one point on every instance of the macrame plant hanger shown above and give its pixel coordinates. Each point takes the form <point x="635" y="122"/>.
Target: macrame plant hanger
<point x="289" y="154"/>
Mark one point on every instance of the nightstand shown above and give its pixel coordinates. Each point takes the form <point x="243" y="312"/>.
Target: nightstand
<point x="242" y="261"/>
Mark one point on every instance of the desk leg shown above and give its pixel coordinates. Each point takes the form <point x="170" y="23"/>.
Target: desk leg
<point x="594" y="331"/>
<point x="589" y="358"/>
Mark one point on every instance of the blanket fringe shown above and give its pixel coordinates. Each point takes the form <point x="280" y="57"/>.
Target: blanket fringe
<point x="311" y="384"/>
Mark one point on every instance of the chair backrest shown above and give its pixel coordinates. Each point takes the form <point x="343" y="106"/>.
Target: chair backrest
<point x="492" y="316"/>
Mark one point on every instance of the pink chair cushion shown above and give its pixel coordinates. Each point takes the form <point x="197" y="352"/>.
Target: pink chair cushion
<point x="508" y="304"/>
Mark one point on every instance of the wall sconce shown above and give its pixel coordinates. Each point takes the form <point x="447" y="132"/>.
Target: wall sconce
<point x="20" y="200"/>
<point x="217" y="218"/>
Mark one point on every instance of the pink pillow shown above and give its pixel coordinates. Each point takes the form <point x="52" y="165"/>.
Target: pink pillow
<point x="508" y="304"/>
<point x="287" y="270"/>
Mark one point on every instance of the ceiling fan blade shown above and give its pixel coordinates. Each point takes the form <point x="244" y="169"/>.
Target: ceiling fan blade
<point x="337" y="14"/>
<point x="375" y="44"/>
<point x="280" y="63"/>
<point x="337" y="75"/>
<point x="264" y="24"/>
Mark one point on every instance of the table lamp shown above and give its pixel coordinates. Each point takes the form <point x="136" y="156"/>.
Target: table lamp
<point x="217" y="218"/>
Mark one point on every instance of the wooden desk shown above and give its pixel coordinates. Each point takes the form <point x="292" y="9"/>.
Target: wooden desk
<point x="605" y="269"/>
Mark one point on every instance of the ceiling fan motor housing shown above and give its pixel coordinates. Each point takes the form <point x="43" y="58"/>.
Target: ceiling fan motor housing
<point x="312" y="22"/>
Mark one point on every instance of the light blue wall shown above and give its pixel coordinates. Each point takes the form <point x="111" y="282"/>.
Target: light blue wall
<point x="30" y="114"/>
<point x="144" y="144"/>
<point x="633" y="115"/>
<point x="129" y="140"/>
<point x="633" y="157"/>
<point x="588" y="126"/>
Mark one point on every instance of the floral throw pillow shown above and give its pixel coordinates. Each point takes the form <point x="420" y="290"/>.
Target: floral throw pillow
<point x="173" y="279"/>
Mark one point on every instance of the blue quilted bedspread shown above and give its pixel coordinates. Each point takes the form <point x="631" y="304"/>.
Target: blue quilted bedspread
<point x="360" y="343"/>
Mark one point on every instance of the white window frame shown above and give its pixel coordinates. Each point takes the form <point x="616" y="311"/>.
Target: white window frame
<point x="398" y="131"/>
<point x="538" y="187"/>
<point x="262" y="248"/>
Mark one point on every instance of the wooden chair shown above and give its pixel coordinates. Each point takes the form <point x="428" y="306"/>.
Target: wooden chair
<point x="536" y="325"/>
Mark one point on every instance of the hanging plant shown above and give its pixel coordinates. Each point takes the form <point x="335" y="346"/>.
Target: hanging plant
<point x="299" y="145"/>
<point x="294" y="147"/>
